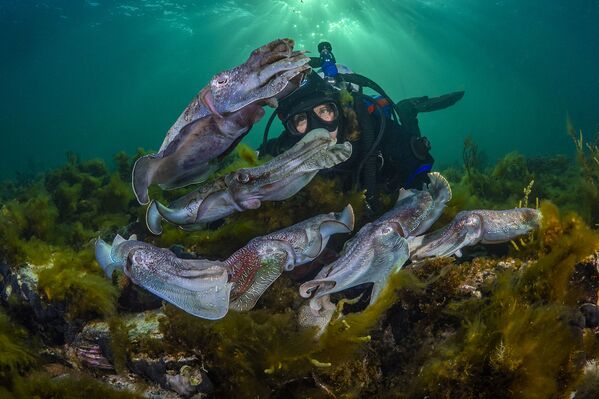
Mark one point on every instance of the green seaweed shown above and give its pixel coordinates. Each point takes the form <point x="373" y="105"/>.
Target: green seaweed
<point x="119" y="343"/>
<point x="264" y="345"/>
<point x="76" y="279"/>
<point x="520" y="335"/>
<point x="16" y="356"/>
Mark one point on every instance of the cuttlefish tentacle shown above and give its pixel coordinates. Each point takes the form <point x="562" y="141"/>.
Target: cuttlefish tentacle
<point x="472" y="227"/>
<point x="440" y="191"/>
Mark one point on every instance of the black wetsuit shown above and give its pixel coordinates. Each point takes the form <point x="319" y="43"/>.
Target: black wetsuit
<point x="403" y="157"/>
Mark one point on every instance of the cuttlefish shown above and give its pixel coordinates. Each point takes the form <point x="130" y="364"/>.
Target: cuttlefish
<point x="472" y="227"/>
<point x="219" y="116"/>
<point x="276" y="180"/>
<point x="380" y="248"/>
<point x="198" y="286"/>
<point x="383" y="246"/>
<point x="208" y="289"/>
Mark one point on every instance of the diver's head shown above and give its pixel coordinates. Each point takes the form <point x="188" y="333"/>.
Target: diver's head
<point x="315" y="104"/>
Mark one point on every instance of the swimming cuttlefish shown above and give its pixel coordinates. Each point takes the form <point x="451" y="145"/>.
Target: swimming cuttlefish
<point x="382" y="247"/>
<point x="219" y="116"/>
<point x="208" y="289"/>
<point x="276" y="180"/>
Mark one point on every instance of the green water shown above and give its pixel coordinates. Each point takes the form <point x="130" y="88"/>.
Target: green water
<point x="97" y="76"/>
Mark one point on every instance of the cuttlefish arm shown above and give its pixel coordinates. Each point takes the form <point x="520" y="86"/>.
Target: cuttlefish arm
<point x="370" y="257"/>
<point x="472" y="227"/>
<point x="256" y="266"/>
<point x="197" y="286"/>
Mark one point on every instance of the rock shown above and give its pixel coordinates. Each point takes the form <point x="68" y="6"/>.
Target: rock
<point x="181" y="373"/>
<point x="91" y="347"/>
<point x="19" y="294"/>
<point x="591" y="315"/>
<point x="190" y="381"/>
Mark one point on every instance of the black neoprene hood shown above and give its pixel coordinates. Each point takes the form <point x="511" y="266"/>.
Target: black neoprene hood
<point x="313" y="92"/>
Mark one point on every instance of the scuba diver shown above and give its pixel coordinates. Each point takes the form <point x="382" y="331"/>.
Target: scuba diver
<point x="388" y="151"/>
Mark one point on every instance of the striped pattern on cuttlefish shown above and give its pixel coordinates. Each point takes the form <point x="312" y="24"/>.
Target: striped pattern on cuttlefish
<point x="276" y="180"/>
<point x="208" y="289"/>
<point x="219" y="116"/>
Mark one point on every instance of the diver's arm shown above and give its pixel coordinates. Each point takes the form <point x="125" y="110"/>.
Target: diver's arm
<point x="277" y="145"/>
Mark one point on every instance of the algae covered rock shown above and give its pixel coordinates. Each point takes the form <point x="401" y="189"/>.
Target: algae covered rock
<point x="19" y="293"/>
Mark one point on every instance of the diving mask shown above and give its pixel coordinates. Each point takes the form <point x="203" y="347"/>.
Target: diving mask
<point x="325" y="115"/>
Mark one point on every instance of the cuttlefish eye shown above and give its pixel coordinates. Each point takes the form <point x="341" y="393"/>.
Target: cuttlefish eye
<point x="242" y="177"/>
<point x="386" y="230"/>
<point x="129" y="264"/>
<point x="221" y="80"/>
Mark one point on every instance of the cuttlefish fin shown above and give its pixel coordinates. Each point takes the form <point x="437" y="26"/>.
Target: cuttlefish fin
<point x="104" y="258"/>
<point x="209" y="303"/>
<point x="153" y="219"/>
<point x="142" y="176"/>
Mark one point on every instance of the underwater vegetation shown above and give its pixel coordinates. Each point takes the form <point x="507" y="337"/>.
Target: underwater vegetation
<point x="502" y="321"/>
<point x="569" y="185"/>
<point x="523" y="332"/>
<point x="587" y="157"/>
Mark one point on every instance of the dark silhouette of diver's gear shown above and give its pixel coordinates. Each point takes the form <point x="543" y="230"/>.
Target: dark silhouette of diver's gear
<point x="408" y="109"/>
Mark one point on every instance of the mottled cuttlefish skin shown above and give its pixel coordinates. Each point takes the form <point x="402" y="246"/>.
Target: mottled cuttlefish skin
<point x="276" y="180"/>
<point x="472" y="227"/>
<point x="380" y="248"/>
<point x="197" y="286"/>
<point x="219" y="116"/>
<point x="416" y="210"/>
<point x="375" y="252"/>
<point x="257" y="265"/>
